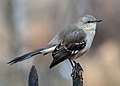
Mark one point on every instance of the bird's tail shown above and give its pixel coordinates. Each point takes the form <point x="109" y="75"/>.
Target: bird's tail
<point x="31" y="54"/>
<point x="26" y="56"/>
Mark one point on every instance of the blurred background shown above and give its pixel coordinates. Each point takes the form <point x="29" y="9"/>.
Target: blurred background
<point x="26" y="25"/>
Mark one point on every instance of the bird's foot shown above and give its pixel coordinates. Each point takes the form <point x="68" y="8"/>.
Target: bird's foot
<point x="77" y="71"/>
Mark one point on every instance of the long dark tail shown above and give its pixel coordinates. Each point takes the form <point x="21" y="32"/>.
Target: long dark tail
<point x="26" y="56"/>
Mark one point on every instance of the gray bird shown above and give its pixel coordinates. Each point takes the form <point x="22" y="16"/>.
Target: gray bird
<point x="70" y="43"/>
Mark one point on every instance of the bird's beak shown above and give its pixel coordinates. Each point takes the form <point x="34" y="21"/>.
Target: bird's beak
<point x="98" y="20"/>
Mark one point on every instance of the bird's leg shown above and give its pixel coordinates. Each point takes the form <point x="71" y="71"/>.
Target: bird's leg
<point x="77" y="70"/>
<point x="71" y="63"/>
<point x="78" y="65"/>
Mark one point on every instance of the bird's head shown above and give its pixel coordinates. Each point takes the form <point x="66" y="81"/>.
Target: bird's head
<point x="89" y="22"/>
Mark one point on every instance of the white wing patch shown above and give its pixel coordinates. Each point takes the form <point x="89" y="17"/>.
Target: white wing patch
<point x="49" y="50"/>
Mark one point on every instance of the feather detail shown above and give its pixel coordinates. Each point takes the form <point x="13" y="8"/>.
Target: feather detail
<point x="65" y="51"/>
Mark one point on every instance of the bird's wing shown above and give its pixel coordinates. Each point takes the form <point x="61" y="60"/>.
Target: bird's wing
<point x="73" y="42"/>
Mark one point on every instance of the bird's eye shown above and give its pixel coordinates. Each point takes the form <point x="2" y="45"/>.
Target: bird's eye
<point x="89" y="22"/>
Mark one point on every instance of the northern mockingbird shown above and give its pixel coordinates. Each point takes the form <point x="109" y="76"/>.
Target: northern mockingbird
<point x="70" y="43"/>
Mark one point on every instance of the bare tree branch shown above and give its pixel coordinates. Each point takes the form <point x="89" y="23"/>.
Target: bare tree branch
<point x="77" y="75"/>
<point x="33" y="77"/>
